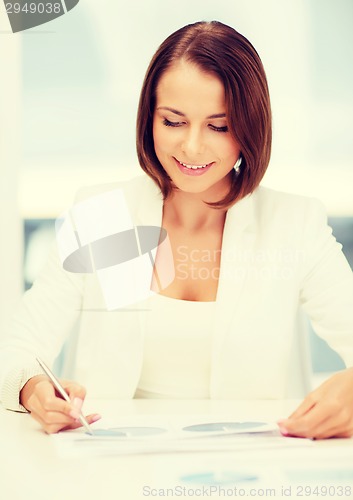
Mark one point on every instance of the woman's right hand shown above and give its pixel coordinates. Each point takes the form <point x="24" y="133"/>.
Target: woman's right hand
<point x="47" y="407"/>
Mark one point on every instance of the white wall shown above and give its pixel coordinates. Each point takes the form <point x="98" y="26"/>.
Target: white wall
<point x="10" y="130"/>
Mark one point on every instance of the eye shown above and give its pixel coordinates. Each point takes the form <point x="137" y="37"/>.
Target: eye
<point x="218" y="129"/>
<point x="168" y="123"/>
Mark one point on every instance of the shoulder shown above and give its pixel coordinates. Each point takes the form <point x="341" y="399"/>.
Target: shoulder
<point x="271" y="199"/>
<point x="124" y="197"/>
<point x="286" y="214"/>
<point x="281" y="205"/>
<point x="132" y="188"/>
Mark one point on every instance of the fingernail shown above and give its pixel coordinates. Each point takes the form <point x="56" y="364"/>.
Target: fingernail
<point x="95" y="418"/>
<point x="74" y="414"/>
<point x="284" y="431"/>
<point x="78" y="402"/>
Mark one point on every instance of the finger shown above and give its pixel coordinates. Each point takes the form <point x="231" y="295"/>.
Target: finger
<point x="44" y="399"/>
<point x="91" y="419"/>
<point x="333" y="432"/>
<point x="339" y="425"/>
<point x="51" y="427"/>
<point x="307" y="425"/>
<point x="73" y="389"/>
<point x="55" y="418"/>
<point x="76" y="393"/>
<point x="346" y="434"/>
<point x="49" y="415"/>
<point x="305" y="407"/>
<point x="308" y="403"/>
<point x="330" y="432"/>
<point x="56" y="423"/>
<point x="51" y="412"/>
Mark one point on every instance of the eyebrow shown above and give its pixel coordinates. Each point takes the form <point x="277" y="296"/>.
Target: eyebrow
<point x="179" y="113"/>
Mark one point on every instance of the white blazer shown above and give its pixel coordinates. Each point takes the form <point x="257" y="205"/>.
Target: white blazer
<point x="277" y="254"/>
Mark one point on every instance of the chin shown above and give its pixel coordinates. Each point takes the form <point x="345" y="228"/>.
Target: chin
<point x="188" y="187"/>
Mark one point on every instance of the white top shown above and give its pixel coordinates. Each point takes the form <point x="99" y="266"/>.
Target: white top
<point x="177" y="349"/>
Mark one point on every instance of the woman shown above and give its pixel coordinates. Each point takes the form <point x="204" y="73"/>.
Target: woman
<point x="245" y="258"/>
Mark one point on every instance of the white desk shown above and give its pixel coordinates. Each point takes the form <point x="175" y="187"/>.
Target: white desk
<point x="31" y="469"/>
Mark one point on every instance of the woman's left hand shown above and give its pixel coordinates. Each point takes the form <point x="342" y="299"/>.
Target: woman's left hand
<point x="326" y="412"/>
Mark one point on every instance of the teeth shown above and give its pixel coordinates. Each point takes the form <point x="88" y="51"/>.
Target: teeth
<point x="193" y="167"/>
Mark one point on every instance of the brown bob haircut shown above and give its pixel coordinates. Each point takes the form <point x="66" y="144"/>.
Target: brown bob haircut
<point x="219" y="50"/>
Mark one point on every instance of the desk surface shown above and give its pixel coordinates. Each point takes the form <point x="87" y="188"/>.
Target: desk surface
<point x="31" y="468"/>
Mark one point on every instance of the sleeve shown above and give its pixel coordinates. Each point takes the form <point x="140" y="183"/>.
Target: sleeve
<point x="326" y="291"/>
<point x="42" y="323"/>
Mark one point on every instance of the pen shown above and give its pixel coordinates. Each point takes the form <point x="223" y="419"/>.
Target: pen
<point x="63" y="393"/>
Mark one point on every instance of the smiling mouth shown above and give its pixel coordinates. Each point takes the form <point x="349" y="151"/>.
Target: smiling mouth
<point x="193" y="167"/>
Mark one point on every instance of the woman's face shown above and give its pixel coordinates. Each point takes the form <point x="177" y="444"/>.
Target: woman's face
<point x="190" y="133"/>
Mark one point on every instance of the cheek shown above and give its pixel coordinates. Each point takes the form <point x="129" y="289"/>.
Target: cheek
<point x="166" y="139"/>
<point x="228" y="149"/>
<point x="160" y="138"/>
<point x="155" y="134"/>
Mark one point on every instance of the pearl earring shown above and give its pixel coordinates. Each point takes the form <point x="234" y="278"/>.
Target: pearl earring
<point x="237" y="165"/>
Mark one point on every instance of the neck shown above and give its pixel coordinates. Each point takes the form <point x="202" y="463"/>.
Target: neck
<point x="189" y="211"/>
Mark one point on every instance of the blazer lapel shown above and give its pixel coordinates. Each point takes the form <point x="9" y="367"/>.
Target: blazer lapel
<point x="237" y="245"/>
<point x="237" y="242"/>
<point x="150" y="207"/>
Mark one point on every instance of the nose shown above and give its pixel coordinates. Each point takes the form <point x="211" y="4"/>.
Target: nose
<point x="193" y="144"/>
